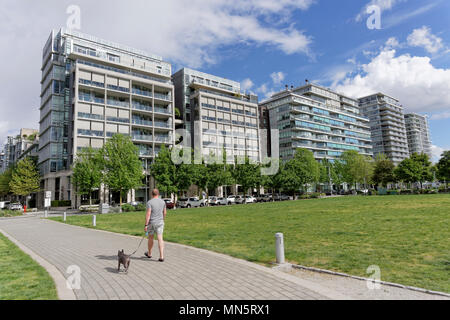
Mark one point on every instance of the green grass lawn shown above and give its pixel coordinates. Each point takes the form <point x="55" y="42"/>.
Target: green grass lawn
<point x="407" y="236"/>
<point x="21" y="278"/>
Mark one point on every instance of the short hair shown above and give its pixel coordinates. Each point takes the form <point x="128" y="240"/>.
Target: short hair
<point x="155" y="192"/>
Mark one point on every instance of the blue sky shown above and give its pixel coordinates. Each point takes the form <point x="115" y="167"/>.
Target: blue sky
<point x="261" y="43"/>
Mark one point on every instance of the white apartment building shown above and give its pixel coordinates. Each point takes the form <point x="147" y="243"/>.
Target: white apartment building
<point x="318" y="119"/>
<point x="93" y="89"/>
<point x="387" y="124"/>
<point x="224" y="117"/>
<point x="418" y="133"/>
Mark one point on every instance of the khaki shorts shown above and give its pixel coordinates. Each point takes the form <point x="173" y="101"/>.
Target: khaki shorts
<point x="157" y="227"/>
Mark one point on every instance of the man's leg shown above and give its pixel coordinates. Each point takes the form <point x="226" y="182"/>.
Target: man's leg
<point x="150" y="245"/>
<point x="161" y="245"/>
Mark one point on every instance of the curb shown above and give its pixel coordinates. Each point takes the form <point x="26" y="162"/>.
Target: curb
<point x="60" y="281"/>
<point x="287" y="267"/>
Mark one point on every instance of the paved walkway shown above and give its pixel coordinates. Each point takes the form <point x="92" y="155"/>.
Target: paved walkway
<point x="188" y="273"/>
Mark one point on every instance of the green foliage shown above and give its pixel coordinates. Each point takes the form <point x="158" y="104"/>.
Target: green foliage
<point x="417" y="168"/>
<point x="247" y="174"/>
<point x="383" y="173"/>
<point x="300" y="171"/>
<point x="87" y="172"/>
<point x="164" y="172"/>
<point x="128" y="208"/>
<point x="443" y="167"/>
<point x="61" y="203"/>
<point x="121" y="164"/>
<point x="5" y="179"/>
<point x="355" y="168"/>
<point x="141" y="207"/>
<point x="25" y="178"/>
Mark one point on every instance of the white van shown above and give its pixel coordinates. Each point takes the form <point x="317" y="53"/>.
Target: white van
<point x="4" y="205"/>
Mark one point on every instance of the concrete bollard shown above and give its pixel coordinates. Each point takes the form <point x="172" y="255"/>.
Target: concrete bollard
<point x="94" y="220"/>
<point x="65" y="216"/>
<point x="45" y="214"/>
<point x="280" y="248"/>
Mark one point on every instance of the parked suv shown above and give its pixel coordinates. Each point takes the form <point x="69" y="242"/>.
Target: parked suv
<point x="239" y="200"/>
<point x="221" y="202"/>
<point x="263" y="198"/>
<point x="231" y="199"/>
<point x="15" y="207"/>
<point x="190" y="203"/>
<point x="250" y="199"/>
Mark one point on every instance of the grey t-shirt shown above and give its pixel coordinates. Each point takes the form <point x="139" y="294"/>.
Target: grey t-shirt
<point x="157" y="206"/>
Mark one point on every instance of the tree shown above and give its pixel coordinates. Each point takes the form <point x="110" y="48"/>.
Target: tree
<point x="415" y="169"/>
<point x="164" y="172"/>
<point x="122" y="168"/>
<point x="87" y="172"/>
<point x="218" y="173"/>
<point x="443" y="168"/>
<point x="300" y="171"/>
<point x="5" y="179"/>
<point x="328" y="173"/>
<point x="426" y="173"/>
<point x="247" y="175"/>
<point x="356" y="168"/>
<point x="383" y="173"/>
<point x="408" y="171"/>
<point x="25" y="178"/>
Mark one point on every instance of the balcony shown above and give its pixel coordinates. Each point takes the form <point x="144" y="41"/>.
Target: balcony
<point x="162" y="124"/>
<point x="91" y="83"/>
<point x="118" y="103"/>
<point x="142" y="137"/>
<point x="142" y="122"/>
<point x="117" y="88"/>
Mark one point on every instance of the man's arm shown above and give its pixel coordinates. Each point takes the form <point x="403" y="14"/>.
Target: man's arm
<point x="165" y="212"/>
<point x="147" y="217"/>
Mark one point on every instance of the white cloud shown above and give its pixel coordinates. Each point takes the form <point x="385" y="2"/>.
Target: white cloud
<point x="424" y="38"/>
<point x="413" y="80"/>
<point x="247" y="84"/>
<point x="186" y="33"/>
<point x="392" y="43"/>
<point x="437" y="153"/>
<point x="441" y="116"/>
<point x="278" y="77"/>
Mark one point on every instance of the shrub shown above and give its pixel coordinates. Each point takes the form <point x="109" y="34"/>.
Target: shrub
<point x="127" y="208"/>
<point x="61" y="203"/>
<point x="373" y="192"/>
<point x="304" y="197"/>
<point x="141" y="207"/>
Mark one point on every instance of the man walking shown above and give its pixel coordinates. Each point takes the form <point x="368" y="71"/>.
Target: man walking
<point x="154" y="223"/>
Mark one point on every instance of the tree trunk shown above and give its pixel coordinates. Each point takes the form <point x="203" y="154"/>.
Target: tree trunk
<point x="120" y="197"/>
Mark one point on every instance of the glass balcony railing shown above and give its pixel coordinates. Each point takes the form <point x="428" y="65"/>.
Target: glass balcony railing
<point x="90" y="116"/>
<point x="164" y="139"/>
<point x="117" y="88"/>
<point x="118" y="103"/>
<point x="163" y="110"/>
<point x="142" y="122"/>
<point x="160" y="124"/>
<point x="142" y="92"/>
<point x="165" y="97"/>
<point x="91" y="83"/>
<point x="142" y="137"/>
<point x="116" y="119"/>
<point x="143" y="107"/>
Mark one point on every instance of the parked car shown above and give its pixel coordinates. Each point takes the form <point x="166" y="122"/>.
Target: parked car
<point x="135" y="203"/>
<point x="239" y="200"/>
<point x="190" y="203"/>
<point x="285" y="197"/>
<point x="169" y="204"/>
<point x="212" y="201"/>
<point x="264" y="198"/>
<point x="15" y="207"/>
<point x="221" y="202"/>
<point x="231" y="199"/>
<point x="4" y="205"/>
<point x="250" y="199"/>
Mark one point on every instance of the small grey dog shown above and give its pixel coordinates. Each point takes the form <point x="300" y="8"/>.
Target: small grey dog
<point x="125" y="260"/>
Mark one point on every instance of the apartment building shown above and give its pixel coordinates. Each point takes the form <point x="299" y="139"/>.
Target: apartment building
<point x="387" y="125"/>
<point x="17" y="147"/>
<point x="317" y="119"/>
<point x="2" y="162"/>
<point x="217" y="114"/>
<point x="93" y="89"/>
<point x="418" y="134"/>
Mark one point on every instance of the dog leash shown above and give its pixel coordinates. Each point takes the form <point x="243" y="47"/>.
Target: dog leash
<point x="139" y="244"/>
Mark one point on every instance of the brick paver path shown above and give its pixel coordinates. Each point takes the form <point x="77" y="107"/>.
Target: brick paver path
<point x="187" y="273"/>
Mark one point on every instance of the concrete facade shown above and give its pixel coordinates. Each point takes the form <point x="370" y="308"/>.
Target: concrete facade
<point x="93" y="89"/>
<point x="418" y="133"/>
<point x="387" y="124"/>
<point x="317" y="119"/>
